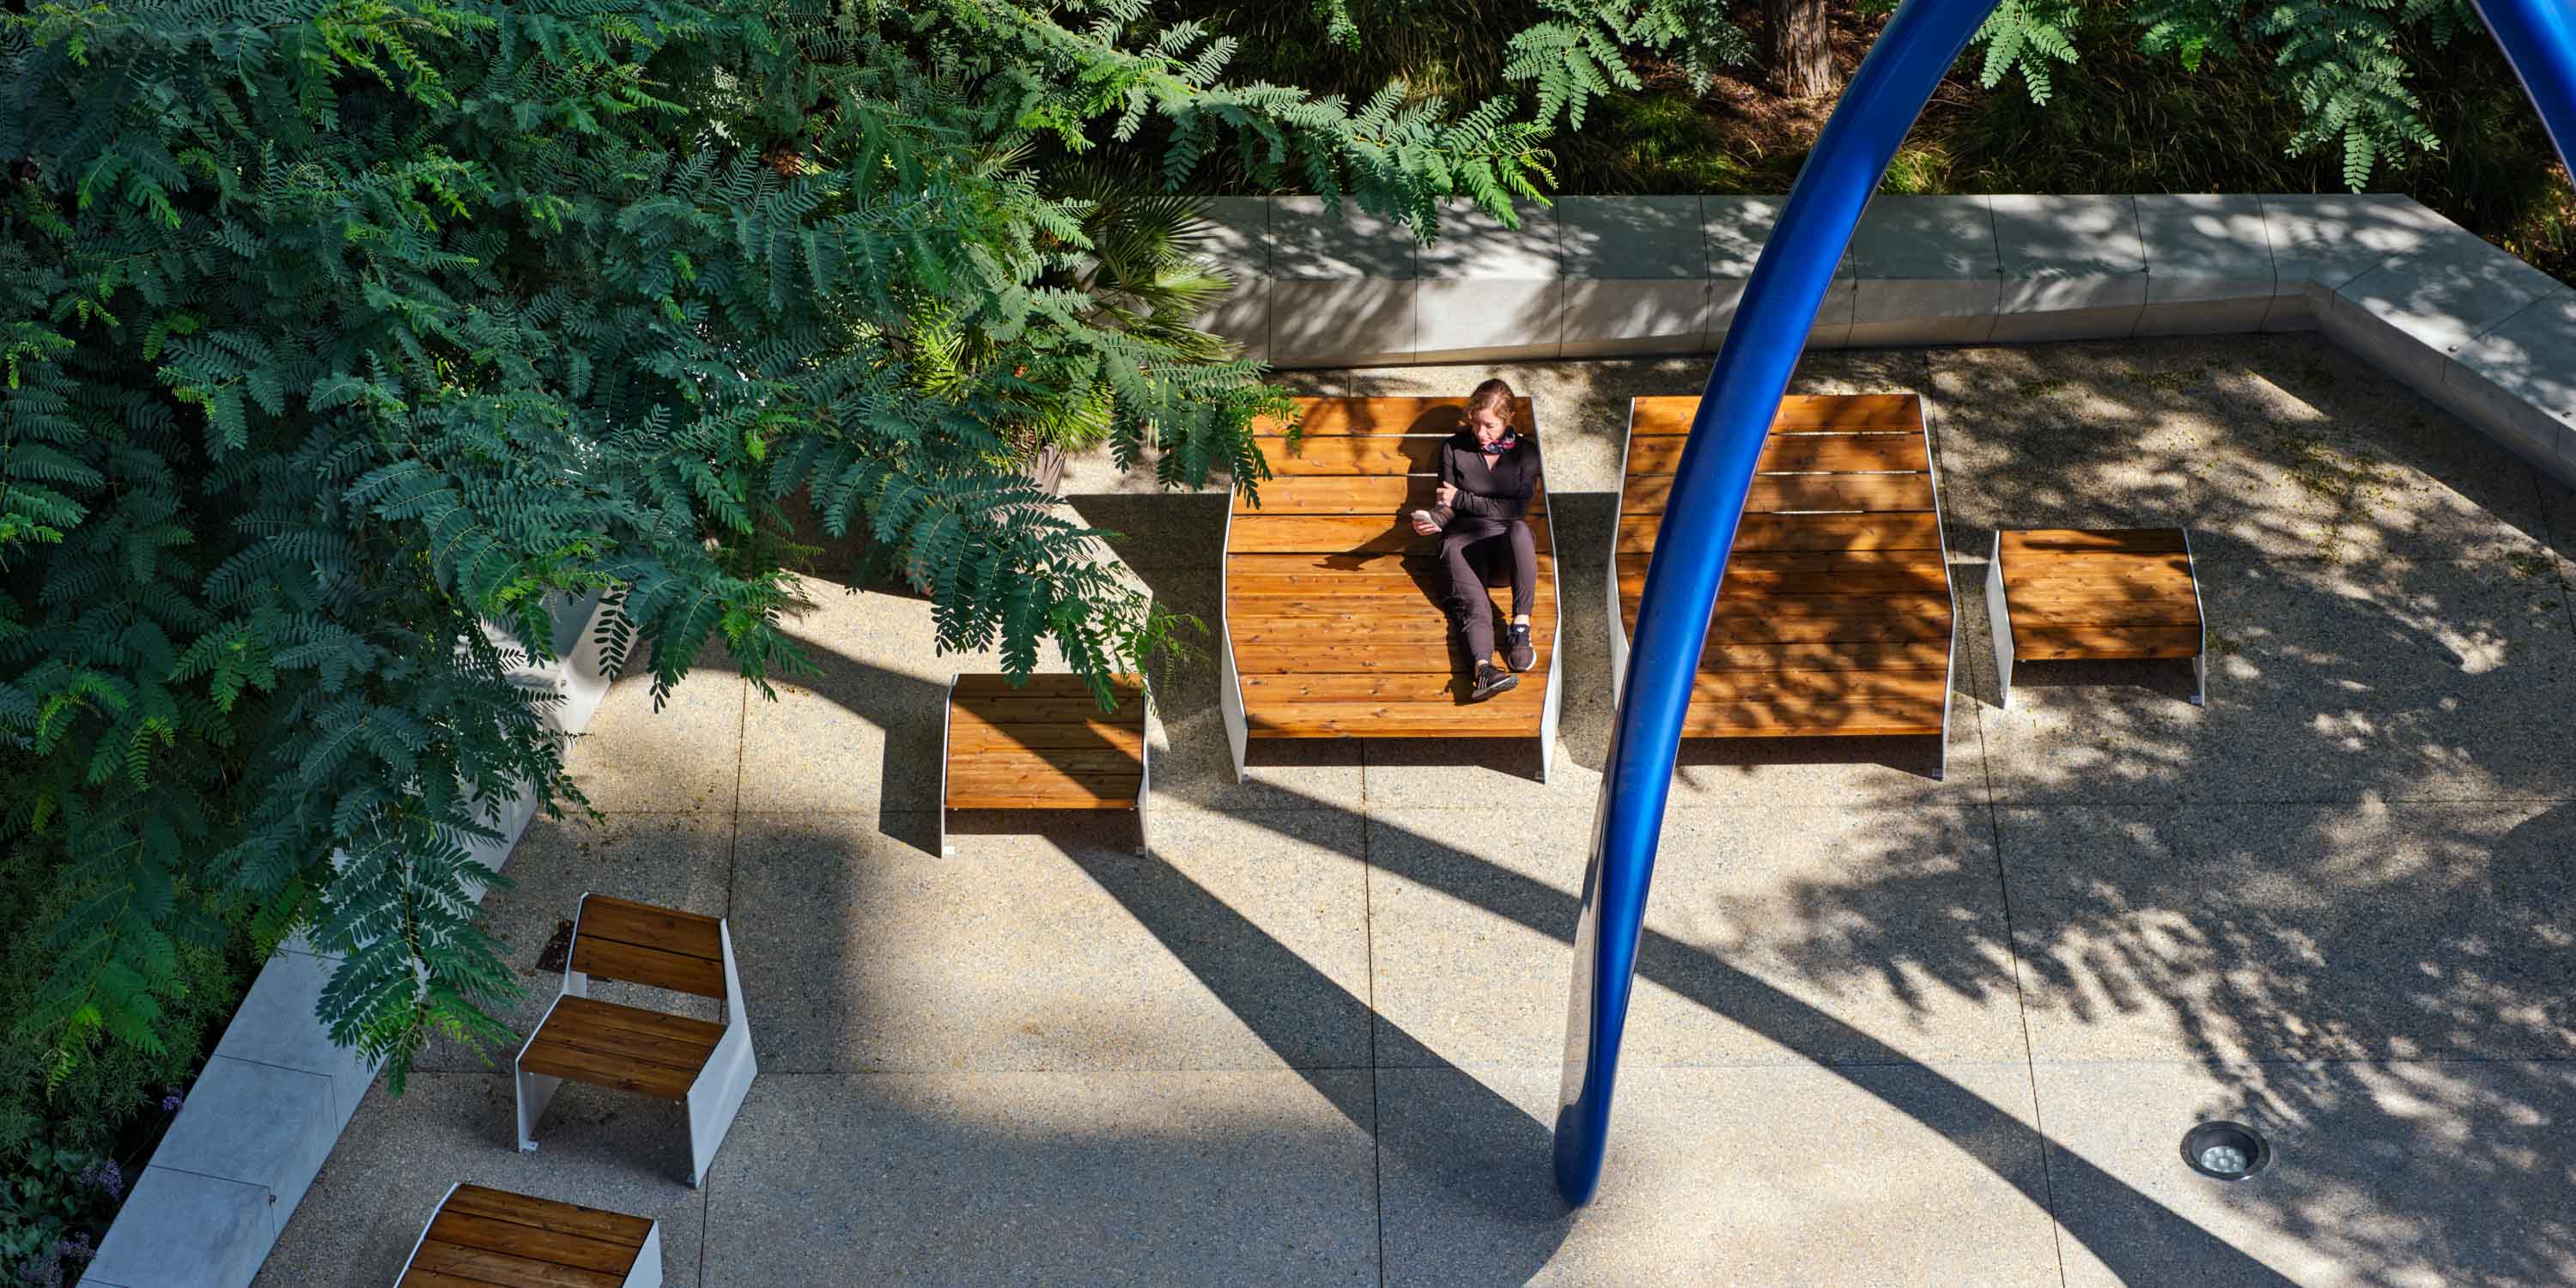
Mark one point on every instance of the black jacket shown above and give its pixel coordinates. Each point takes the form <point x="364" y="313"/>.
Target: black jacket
<point x="1499" y="491"/>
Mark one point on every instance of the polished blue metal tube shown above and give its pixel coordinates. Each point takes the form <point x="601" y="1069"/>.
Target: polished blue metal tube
<point x="2539" y="39"/>
<point x="1735" y="411"/>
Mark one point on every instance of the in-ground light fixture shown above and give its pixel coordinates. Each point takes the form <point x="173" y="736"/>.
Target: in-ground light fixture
<point x="2225" y="1150"/>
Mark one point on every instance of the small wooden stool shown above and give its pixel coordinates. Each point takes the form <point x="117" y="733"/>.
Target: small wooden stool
<point x="1045" y="744"/>
<point x="2068" y="594"/>
<point x="483" y="1236"/>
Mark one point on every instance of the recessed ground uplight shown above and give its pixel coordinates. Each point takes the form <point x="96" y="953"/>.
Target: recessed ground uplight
<point x="2228" y="1151"/>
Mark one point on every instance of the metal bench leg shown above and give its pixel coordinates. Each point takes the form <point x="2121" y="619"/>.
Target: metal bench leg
<point x="1999" y="623"/>
<point x="2200" y="680"/>
<point x="715" y="1097"/>
<point x="1229" y="700"/>
<point x="535" y="1091"/>
<point x="648" y="1261"/>
<point x="1548" y="709"/>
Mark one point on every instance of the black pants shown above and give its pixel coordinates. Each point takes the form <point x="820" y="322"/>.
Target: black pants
<point x="1474" y="549"/>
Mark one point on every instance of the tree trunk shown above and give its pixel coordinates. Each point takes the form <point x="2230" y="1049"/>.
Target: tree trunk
<point x="1796" y="50"/>
<point x="1046" y="469"/>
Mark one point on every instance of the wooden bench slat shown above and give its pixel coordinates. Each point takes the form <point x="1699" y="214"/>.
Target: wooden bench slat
<point x="1354" y="494"/>
<point x="631" y="1033"/>
<point x="2070" y="643"/>
<point x="2050" y="542"/>
<point x="1330" y="534"/>
<point x="559" y="1060"/>
<point x="652" y="967"/>
<point x="668" y="929"/>
<point x="1039" y="789"/>
<point x="1359" y="455"/>
<point x="1421" y="704"/>
<point x="1842" y="655"/>
<point x="419" y="1278"/>
<point x="1823" y="630"/>
<point x="985" y="686"/>
<point x="1659" y="455"/>
<point x="1318" y="602"/>
<point x="1672" y="413"/>
<point x="550" y="1214"/>
<point x="469" y="1234"/>
<point x="2107" y="612"/>
<point x="1379" y="415"/>
<point x="1908" y="531"/>
<point x="968" y="739"/>
<point x="440" y="1264"/>
<point x="1793" y="493"/>
<point x="1054" y="709"/>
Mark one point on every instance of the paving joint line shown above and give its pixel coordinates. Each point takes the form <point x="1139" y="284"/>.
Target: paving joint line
<point x="2030" y="1056"/>
<point x="1368" y="935"/>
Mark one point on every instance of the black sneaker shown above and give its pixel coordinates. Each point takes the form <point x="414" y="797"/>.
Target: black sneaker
<point x="1518" y="650"/>
<point x="1490" y="680"/>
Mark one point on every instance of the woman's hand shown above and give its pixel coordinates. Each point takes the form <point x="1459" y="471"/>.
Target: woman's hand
<point x="1425" y="528"/>
<point x="1445" y="494"/>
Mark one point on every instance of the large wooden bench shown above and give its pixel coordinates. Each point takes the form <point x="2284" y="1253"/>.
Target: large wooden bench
<point x="2066" y="594"/>
<point x="1044" y="744"/>
<point x="1331" y="618"/>
<point x="1835" y="616"/>
<point x="487" y="1238"/>
<point x="707" y="1067"/>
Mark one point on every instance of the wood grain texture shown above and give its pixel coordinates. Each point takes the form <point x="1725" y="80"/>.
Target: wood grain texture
<point x="1835" y="616"/>
<point x="1333" y="606"/>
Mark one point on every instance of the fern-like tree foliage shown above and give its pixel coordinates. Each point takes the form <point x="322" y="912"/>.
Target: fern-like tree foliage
<point x="2346" y="63"/>
<point x="344" y="340"/>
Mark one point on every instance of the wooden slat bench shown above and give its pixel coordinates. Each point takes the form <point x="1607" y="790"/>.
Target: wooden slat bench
<point x="1835" y="615"/>
<point x="2058" y="594"/>
<point x="1331" y="618"/>
<point x="487" y="1238"/>
<point x="705" y="1066"/>
<point x="1045" y="744"/>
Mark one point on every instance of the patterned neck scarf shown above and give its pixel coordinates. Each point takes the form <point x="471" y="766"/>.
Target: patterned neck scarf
<point x="1507" y="442"/>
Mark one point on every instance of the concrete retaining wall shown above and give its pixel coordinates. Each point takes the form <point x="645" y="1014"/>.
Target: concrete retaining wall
<point x="274" y="1096"/>
<point x="2470" y="327"/>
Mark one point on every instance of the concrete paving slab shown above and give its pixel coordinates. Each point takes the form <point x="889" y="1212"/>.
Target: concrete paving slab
<point x="2207" y="250"/>
<point x="864" y="733"/>
<point x="1737" y="228"/>
<point x="2328" y="682"/>
<point x="2088" y="442"/>
<point x="685" y="755"/>
<point x="2237" y="933"/>
<point x="1929" y="272"/>
<point x="2073" y="267"/>
<point x="1635" y="316"/>
<point x="255" y="1123"/>
<point x="1236" y="239"/>
<point x="214" y="1231"/>
<point x="2438" y="297"/>
<point x="1488" y="319"/>
<point x="1633" y="238"/>
<point x="598" y="1148"/>
<point x="1241" y="944"/>
<point x="2333" y="237"/>
<point x="1343" y="322"/>
<point x="682" y="861"/>
<point x="1315" y="239"/>
<point x="988" y="1178"/>
<point x="1470" y="911"/>
<point x="276" y="1025"/>
<point x="2382" y="1173"/>
<point x="1877" y="1175"/>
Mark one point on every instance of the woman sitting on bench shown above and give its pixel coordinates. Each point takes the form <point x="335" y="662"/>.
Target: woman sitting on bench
<point x="1488" y="472"/>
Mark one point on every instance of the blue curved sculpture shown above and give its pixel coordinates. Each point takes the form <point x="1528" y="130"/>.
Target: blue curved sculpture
<point x="1753" y="366"/>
